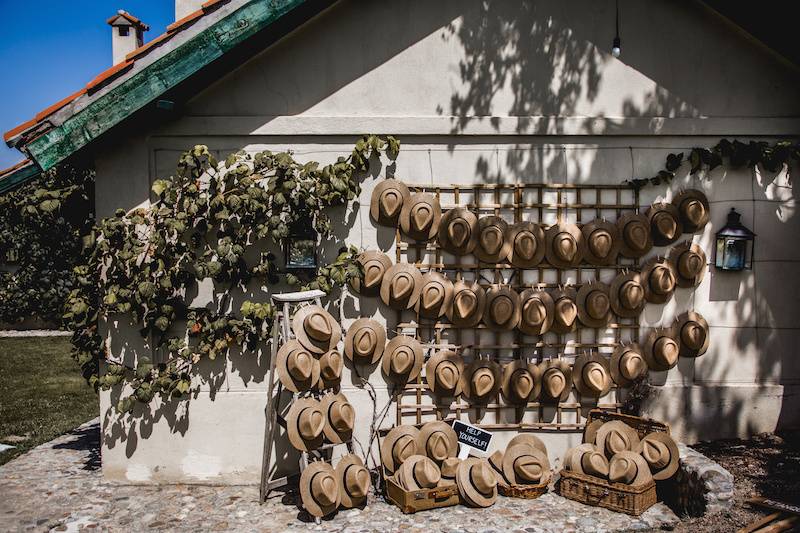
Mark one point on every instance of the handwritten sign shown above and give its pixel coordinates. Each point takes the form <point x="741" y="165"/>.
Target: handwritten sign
<point x="471" y="438"/>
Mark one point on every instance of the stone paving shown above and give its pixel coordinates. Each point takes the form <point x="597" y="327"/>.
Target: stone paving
<point x="58" y="487"/>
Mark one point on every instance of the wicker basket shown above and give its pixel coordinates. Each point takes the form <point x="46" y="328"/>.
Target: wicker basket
<point x="615" y="496"/>
<point x="643" y="426"/>
<point x="529" y="492"/>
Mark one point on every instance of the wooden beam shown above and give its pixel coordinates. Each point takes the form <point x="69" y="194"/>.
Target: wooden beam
<point x="18" y="177"/>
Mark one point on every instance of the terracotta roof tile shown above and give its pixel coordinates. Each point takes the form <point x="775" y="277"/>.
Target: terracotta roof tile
<point x="212" y="4"/>
<point x="119" y="68"/>
<point x="41" y="115"/>
<point x="188" y="19"/>
<point x="142" y="50"/>
<point x="13" y="168"/>
<point x="19" y="129"/>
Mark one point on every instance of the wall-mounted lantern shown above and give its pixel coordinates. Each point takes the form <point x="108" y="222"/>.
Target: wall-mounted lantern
<point x="734" y="245"/>
<point x="300" y="247"/>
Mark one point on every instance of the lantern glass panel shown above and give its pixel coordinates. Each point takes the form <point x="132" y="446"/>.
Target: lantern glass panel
<point x="301" y="253"/>
<point x="731" y="254"/>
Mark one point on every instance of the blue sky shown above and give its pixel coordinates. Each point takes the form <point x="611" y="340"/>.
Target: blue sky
<point x="51" y="48"/>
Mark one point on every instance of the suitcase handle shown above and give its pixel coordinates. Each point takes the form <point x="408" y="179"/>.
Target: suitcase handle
<point x="439" y="494"/>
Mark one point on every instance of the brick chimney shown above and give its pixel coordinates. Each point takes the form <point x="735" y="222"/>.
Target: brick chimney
<point x="185" y="7"/>
<point x="127" y="34"/>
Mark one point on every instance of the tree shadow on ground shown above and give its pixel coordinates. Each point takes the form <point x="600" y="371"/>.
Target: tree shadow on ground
<point x="84" y="438"/>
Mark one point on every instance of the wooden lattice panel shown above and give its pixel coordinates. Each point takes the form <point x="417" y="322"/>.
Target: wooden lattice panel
<point x="536" y="202"/>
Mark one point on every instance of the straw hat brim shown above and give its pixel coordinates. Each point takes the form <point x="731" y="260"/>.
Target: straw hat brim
<point x="599" y="224"/>
<point x="406" y="472"/>
<point x="282" y="366"/>
<point x="430" y="371"/>
<point x="622" y="427"/>
<point x="380" y="343"/>
<point x="538" y="234"/>
<point x="566" y="370"/>
<point x="477" y="314"/>
<point x="674" y="257"/>
<point x="512" y="453"/>
<point x="659" y="239"/>
<point x="583" y="313"/>
<point x="552" y="258"/>
<point x="647" y="269"/>
<point x="502" y="253"/>
<point x="391" y="438"/>
<point x="590" y="431"/>
<point x="547" y="302"/>
<point x="374" y="204"/>
<point x="445" y="285"/>
<point x="313" y="345"/>
<point x="307" y="498"/>
<point x="643" y="474"/>
<point x="388" y="352"/>
<point x="330" y="432"/>
<point x="616" y="359"/>
<point x="625" y="247"/>
<point x="506" y="388"/>
<point x="680" y="322"/>
<point x="405" y="216"/>
<point x="616" y="304"/>
<point x="428" y="429"/>
<point x="692" y="194"/>
<point x="386" y="283"/>
<point x="496" y="291"/>
<point x="347" y="500"/>
<point x="649" y="344"/>
<point x="577" y="374"/>
<point x="292" y="417"/>
<point x="674" y="454"/>
<point x="556" y="295"/>
<point x="466" y="380"/>
<point x="527" y="439"/>
<point x="444" y="239"/>
<point x="468" y="491"/>
<point x="366" y="257"/>
<point x="496" y="462"/>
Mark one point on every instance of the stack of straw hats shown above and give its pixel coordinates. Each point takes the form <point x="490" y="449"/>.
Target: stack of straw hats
<point x="324" y="489"/>
<point x="524" y="462"/>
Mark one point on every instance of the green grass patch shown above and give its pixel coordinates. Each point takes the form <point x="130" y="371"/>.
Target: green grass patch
<point x="42" y="393"/>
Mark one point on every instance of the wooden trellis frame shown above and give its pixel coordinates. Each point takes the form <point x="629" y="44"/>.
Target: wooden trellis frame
<point x="536" y="202"/>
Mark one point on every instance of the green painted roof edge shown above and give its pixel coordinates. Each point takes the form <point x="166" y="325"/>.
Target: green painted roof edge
<point x="152" y="81"/>
<point x="18" y="177"/>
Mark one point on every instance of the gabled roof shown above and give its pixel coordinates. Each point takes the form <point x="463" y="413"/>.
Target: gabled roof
<point x="153" y="70"/>
<point x="123" y="18"/>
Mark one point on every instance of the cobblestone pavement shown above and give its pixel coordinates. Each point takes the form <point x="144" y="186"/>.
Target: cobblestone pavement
<point x="58" y="486"/>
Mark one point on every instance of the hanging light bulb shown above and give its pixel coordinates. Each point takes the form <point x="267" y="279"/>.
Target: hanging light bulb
<point x="616" y="46"/>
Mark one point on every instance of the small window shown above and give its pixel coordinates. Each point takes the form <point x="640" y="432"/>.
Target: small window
<point x="123" y="31"/>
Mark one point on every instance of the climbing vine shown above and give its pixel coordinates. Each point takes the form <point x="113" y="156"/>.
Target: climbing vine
<point x="211" y="221"/>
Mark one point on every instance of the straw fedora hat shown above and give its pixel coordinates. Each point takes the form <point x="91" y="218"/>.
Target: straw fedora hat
<point x="297" y="368"/>
<point x="527" y="439"/>
<point x="375" y="264"/>
<point x="354" y="481"/>
<point x="443" y="373"/>
<point x="661" y="453"/>
<point x="629" y="468"/>
<point x="420" y="216"/>
<point x="468" y="303"/>
<point x="387" y="201"/>
<point x="586" y="459"/>
<point x="659" y="280"/>
<point x="402" y="359"/>
<point x="458" y="231"/>
<point x="522" y="382"/>
<point x="565" y="310"/>
<point x="330" y="369"/>
<point x="305" y="422"/>
<point x="594" y="304"/>
<point x="627" y="295"/>
<point x="340" y="417"/>
<point x="316" y="329"/>
<point x="616" y="436"/>
<point x="319" y="489"/>
<point x="536" y="312"/>
<point x="635" y="237"/>
<point x="448" y="469"/>
<point x="565" y="246"/>
<point x="627" y="364"/>
<point x="493" y="247"/>
<point x="526" y="244"/>
<point x="556" y="380"/>
<point x="689" y="262"/>
<point x="661" y="350"/>
<point x="481" y="380"/>
<point x="602" y="242"/>
<point x="496" y="462"/>
<point x="437" y="440"/>
<point x="525" y="465"/>
<point x="501" y="312"/>
<point x="435" y="295"/>
<point x="397" y="446"/>
<point x="590" y="431"/>
<point x="365" y="341"/>
<point x="418" y="472"/>
<point x="665" y="223"/>
<point x="693" y="209"/>
<point x="400" y="286"/>
<point x="591" y="375"/>
<point x="476" y="482"/>
<point x="691" y="332"/>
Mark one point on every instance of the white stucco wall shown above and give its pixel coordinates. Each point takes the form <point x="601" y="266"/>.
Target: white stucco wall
<point x="524" y="92"/>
